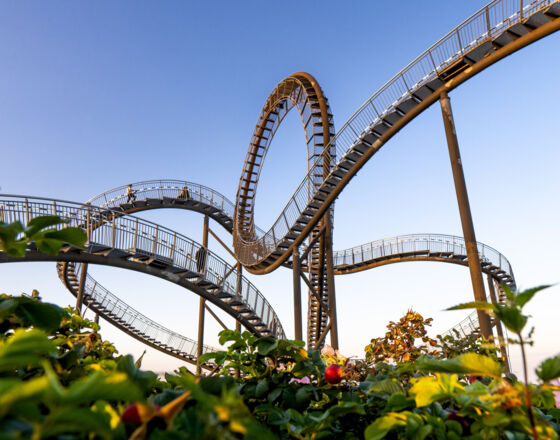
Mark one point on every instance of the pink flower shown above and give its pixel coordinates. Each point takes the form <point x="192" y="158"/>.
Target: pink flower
<point x="304" y="380"/>
<point x="327" y="351"/>
<point x="556" y="382"/>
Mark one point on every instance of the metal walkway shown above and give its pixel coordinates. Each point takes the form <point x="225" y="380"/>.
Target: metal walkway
<point x="494" y="32"/>
<point x="125" y="241"/>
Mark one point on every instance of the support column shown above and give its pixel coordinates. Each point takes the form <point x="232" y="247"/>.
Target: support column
<point x="499" y="329"/>
<point x="465" y="212"/>
<point x="330" y="281"/>
<point x="296" y="268"/>
<point x="81" y="287"/>
<point x="238" y="290"/>
<point x="202" y="305"/>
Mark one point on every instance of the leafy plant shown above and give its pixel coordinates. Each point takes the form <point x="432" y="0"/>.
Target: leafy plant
<point x="398" y="344"/>
<point x="15" y="238"/>
<point x="512" y="317"/>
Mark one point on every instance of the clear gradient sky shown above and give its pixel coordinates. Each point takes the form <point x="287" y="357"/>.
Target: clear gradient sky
<point x="95" y="95"/>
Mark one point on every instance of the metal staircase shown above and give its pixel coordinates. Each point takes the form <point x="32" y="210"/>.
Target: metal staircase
<point x="129" y="320"/>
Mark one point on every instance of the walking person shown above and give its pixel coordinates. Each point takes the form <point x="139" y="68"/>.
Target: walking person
<point x="200" y="257"/>
<point x="130" y="193"/>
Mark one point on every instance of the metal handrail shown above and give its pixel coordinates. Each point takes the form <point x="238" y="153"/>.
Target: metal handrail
<point x="135" y="235"/>
<point x="415" y="243"/>
<point x="481" y="27"/>
<point x="139" y="324"/>
<point x="171" y="188"/>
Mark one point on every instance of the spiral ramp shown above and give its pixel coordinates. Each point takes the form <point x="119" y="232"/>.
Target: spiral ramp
<point x="118" y="239"/>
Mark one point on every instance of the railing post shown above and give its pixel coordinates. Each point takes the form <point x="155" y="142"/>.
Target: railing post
<point x="487" y="13"/>
<point x="465" y="213"/>
<point x="88" y="224"/>
<point x="113" y="231"/>
<point x="26" y="212"/>
<point x="154" y="244"/>
<point x="172" y="254"/>
<point x="135" y="242"/>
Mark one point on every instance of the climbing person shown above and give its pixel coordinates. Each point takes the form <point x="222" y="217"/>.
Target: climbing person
<point x="130" y="193"/>
<point x="200" y="256"/>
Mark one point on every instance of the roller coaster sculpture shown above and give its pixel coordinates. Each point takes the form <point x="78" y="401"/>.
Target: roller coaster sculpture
<point x="301" y="237"/>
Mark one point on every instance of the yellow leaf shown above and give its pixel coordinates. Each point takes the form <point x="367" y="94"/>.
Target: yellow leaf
<point x="426" y="390"/>
<point x="235" y="426"/>
<point x="223" y="412"/>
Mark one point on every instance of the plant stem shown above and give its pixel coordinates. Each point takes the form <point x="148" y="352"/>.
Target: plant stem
<point x="527" y="393"/>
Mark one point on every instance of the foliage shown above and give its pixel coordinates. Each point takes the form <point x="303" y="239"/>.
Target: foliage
<point x="59" y="379"/>
<point x="43" y="232"/>
<point x="398" y="344"/>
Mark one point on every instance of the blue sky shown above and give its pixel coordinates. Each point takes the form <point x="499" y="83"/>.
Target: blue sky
<point x="97" y="95"/>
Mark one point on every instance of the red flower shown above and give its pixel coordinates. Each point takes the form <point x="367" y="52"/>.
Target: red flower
<point x="333" y="374"/>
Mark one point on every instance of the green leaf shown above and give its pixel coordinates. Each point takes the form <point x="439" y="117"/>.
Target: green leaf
<point x="379" y="429"/>
<point x="398" y="402"/>
<point x="74" y="236"/>
<point x="303" y="396"/>
<point x="262" y="389"/>
<point x="265" y="346"/>
<point x="206" y="357"/>
<point x="24" y="348"/>
<point x="510" y="294"/>
<point x="511" y="317"/>
<point x="274" y="394"/>
<point x="387" y="386"/>
<point x="549" y="369"/>
<point x="524" y="297"/>
<point x="48" y="245"/>
<point x="229" y="335"/>
<point x="479" y="305"/>
<point x="14" y="391"/>
<point x="39" y="223"/>
<point x="144" y="379"/>
<point x="468" y="363"/>
<point x="99" y="386"/>
<point x="42" y="315"/>
<point x="81" y="420"/>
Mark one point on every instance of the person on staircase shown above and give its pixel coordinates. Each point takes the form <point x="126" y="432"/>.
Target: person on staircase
<point x="130" y="193"/>
<point x="184" y="194"/>
<point x="200" y="257"/>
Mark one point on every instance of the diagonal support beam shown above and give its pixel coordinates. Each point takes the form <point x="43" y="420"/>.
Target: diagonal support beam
<point x="465" y="212"/>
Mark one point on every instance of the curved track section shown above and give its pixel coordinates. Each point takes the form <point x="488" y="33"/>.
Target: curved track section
<point x="422" y="247"/>
<point x="157" y="194"/>
<point x="129" y="320"/>
<point x="128" y="242"/>
<point x="411" y="247"/>
<point x="497" y="30"/>
<point x="302" y="92"/>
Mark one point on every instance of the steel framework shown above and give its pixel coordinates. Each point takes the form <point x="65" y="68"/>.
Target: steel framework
<point x="301" y="237"/>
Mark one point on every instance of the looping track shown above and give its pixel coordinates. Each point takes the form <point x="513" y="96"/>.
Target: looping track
<point x="118" y="239"/>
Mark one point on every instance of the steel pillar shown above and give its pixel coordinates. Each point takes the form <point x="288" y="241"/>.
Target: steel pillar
<point x="330" y="282"/>
<point x="202" y="304"/>
<point x="296" y="268"/>
<point x="465" y="212"/>
<point x="81" y="286"/>
<point x="238" y="289"/>
<point x="499" y="328"/>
